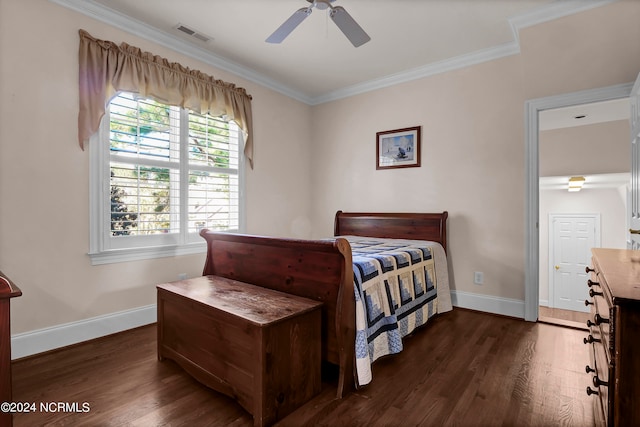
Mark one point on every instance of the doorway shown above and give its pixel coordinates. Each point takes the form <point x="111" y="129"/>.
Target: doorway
<point x="532" y="178"/>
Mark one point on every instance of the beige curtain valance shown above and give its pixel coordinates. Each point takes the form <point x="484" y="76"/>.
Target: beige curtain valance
<point x="106" y="68"/>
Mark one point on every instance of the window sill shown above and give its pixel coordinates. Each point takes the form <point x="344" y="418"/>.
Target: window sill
<point x="137" y="254"/>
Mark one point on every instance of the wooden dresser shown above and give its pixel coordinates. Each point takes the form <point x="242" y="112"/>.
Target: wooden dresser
<point x="614" y="335"/>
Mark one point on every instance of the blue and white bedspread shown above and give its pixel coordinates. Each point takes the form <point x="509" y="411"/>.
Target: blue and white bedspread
<point x="396" y="291"/>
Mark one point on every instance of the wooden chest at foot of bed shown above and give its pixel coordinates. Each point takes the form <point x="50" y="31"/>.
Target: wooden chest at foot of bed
<point x="256" y="345"/>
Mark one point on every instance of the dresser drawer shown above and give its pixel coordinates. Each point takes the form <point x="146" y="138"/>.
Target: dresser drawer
<point x="600" y="394"/>
<point x="600" y="371"/>
<point x="600" y="367"/>
<point x="614" y="326"/>
<point x="600" y="323"/>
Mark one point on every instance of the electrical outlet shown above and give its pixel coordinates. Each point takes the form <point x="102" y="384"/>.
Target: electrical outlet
<point x="478" y="278"/>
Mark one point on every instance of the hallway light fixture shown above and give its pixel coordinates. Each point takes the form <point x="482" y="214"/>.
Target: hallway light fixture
<point x="576" y="183"/>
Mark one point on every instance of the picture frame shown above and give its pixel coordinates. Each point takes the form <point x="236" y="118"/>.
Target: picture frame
<point x="398" y="148"/>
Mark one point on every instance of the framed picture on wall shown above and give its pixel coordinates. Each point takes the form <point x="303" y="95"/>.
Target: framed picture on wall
<point x="398" y="148"/>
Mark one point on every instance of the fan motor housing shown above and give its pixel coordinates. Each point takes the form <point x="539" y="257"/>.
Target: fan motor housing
<point x="321" y="4"/>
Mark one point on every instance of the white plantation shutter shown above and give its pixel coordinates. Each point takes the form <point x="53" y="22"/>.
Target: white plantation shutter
<point x="144" y="146"/>
<point x="213" y="184"/>
<point x="169" y="172"/>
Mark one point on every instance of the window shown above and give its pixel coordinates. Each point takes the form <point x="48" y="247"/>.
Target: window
<point x="160" y="174"/>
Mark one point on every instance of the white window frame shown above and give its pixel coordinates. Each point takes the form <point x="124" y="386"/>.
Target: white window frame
<point x="102" y="247"/>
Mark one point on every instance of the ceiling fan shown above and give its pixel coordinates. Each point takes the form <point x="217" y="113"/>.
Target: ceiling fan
<point x="338" y="14"/>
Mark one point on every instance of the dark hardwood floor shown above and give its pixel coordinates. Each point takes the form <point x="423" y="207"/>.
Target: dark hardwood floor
<point x="464" y="368"/>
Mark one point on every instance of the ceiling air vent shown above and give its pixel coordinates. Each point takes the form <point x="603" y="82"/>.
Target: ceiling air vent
<point x="193" y="33"/>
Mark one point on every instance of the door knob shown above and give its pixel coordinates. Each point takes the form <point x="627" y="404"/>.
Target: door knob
<point x="632" y="231"/>
<point x="557" y="267"/>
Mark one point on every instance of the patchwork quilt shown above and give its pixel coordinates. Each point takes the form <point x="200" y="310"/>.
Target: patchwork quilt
<point x="399" y="285"/>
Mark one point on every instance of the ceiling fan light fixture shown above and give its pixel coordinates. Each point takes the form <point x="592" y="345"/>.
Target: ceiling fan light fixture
<point x="576" y="183"/>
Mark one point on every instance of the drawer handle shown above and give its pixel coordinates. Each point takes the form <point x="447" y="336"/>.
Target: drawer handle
<point x="590" y="339"/>
<point x="590" y="323"/>
<point x="632" y="231"/>
<point x="589" y="369"/>
<point x="590" y="391"/>
<point x="598" y="382"/>
<point x="599" y="319"/>
<point x="591" y="283"/>
<point x="588" y="269"/>
<point x="593" y="293"/>
<point x="588" y="303"/>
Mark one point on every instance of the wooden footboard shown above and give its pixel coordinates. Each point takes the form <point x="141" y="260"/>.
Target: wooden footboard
<point x="317" y="269"/>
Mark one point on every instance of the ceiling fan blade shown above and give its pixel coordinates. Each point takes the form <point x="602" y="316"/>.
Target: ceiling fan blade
<point x="349" y="26"/>
<point x="289" y="25"/>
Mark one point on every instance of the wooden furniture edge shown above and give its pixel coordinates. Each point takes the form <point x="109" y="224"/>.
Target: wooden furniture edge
<point x="8" y="289"/>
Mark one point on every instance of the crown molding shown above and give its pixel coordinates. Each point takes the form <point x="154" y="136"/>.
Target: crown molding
<point x="443" y="66"/>
<point x="550" y="12"/>
<point x="138" y="28"/>
<point x="546" y="13"/>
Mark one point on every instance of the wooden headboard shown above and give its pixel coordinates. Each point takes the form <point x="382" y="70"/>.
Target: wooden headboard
<point x="413" y="226"/>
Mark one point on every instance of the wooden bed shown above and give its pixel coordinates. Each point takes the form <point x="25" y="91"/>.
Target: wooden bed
<point x="318" y="269"/>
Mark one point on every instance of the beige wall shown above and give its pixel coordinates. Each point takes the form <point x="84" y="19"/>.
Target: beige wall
<point x="472" y="165"/>
<point x="583" y="150"/>
<point x="592" y="49"/>
<point x="44" y="175"/>
<point x="473" y="140"/>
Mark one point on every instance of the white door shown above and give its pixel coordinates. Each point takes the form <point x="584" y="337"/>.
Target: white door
<point x="571" y="240"/>
<point x="634" y="208"/>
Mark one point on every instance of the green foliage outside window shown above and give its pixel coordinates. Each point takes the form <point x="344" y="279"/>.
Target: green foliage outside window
<point x="144" y="197"/>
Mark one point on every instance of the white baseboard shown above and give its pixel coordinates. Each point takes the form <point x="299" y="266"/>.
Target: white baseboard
<point x="41" y="340"/>
<point x="497" y="305"/>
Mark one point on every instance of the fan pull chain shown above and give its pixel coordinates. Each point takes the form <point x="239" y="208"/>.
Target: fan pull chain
<point x="326" y="25"/>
